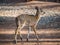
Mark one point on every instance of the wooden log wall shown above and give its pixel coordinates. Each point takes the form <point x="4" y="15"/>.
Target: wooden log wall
<point x="46" y="36"/>
<point x="14" y="1"/>
<point x="45" y="0"/>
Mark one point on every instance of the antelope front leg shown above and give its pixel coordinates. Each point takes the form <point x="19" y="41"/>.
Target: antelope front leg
<point x="36" y="36"/>
<point x="28" y="32"/>
<point x="34" y="29"/>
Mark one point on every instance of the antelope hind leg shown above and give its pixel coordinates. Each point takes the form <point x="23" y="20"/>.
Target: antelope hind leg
<point x="21" y="27"/>
<point x="20" y="34"/>
<point x="16" y="33"/>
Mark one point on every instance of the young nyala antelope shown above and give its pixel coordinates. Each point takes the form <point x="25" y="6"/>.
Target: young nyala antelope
<point x="27" y="20"/>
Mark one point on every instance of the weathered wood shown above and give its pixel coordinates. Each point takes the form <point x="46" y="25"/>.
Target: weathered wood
<point x="30" y="43"/>
<point x="31" y="40"/>
<point x="51" y="20"/>
<point x="14" y="11"/>
<point x="50" y="33"/>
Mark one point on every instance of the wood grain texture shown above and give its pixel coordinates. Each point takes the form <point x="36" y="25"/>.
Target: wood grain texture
<point x="50" y="36"/>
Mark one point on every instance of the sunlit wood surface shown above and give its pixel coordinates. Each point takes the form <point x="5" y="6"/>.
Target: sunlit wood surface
<point x="46" y="37"/>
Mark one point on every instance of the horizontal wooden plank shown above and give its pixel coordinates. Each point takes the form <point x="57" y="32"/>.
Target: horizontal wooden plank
<point x="43" y="33"/>
<point x="14" y="11"/>
<point x="25" y="31"/>
<point x="32" y="40"/>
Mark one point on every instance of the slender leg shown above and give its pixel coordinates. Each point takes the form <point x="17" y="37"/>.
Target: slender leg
<point x="20" y="34"/>
<point x="19" y="31"/>
<point x="28" y="32"/>
<point x="16" y="32"/>
<point x="20" y="28"/>
<point x="34" y="29"/>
